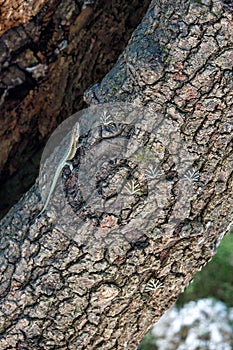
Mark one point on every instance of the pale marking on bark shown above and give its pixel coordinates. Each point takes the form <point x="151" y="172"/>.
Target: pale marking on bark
<point x="153" y="285"/>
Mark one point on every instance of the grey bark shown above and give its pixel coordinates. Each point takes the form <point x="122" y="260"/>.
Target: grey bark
<point x="61" y="292"/>
<point x="48" y="58"/>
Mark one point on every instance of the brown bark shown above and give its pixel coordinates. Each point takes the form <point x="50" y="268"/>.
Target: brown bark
<point x="14" y="13"/>
<point x="47" y="60"/>
<point x="104" y="287"/>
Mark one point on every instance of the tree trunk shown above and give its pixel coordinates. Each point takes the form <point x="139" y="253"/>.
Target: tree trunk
<point x="56" y="51"/>
<point x="91" y="279"/>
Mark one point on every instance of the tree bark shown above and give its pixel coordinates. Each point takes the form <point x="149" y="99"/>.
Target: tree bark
<point x="51" y="52"/>
<point x="102" y="284"/>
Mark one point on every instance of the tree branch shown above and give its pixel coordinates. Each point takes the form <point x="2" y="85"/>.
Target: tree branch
<point x="102" y="284"/>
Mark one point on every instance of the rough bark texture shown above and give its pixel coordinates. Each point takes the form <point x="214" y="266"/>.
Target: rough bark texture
<point x="14" y="13"/>
<point x="49" y="54"/>
<point x="77" y="293"/>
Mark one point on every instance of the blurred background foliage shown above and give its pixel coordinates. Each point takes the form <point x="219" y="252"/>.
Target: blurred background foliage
<point x="215" y="280"/>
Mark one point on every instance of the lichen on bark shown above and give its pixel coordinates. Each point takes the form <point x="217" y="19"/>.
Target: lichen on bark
<point x="58" y="292"/>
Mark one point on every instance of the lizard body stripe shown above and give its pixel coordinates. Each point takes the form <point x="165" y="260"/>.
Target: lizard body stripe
<point x="68" y="156"/>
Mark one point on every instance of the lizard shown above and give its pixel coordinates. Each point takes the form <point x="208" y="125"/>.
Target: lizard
<point x="69" y="154"/>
